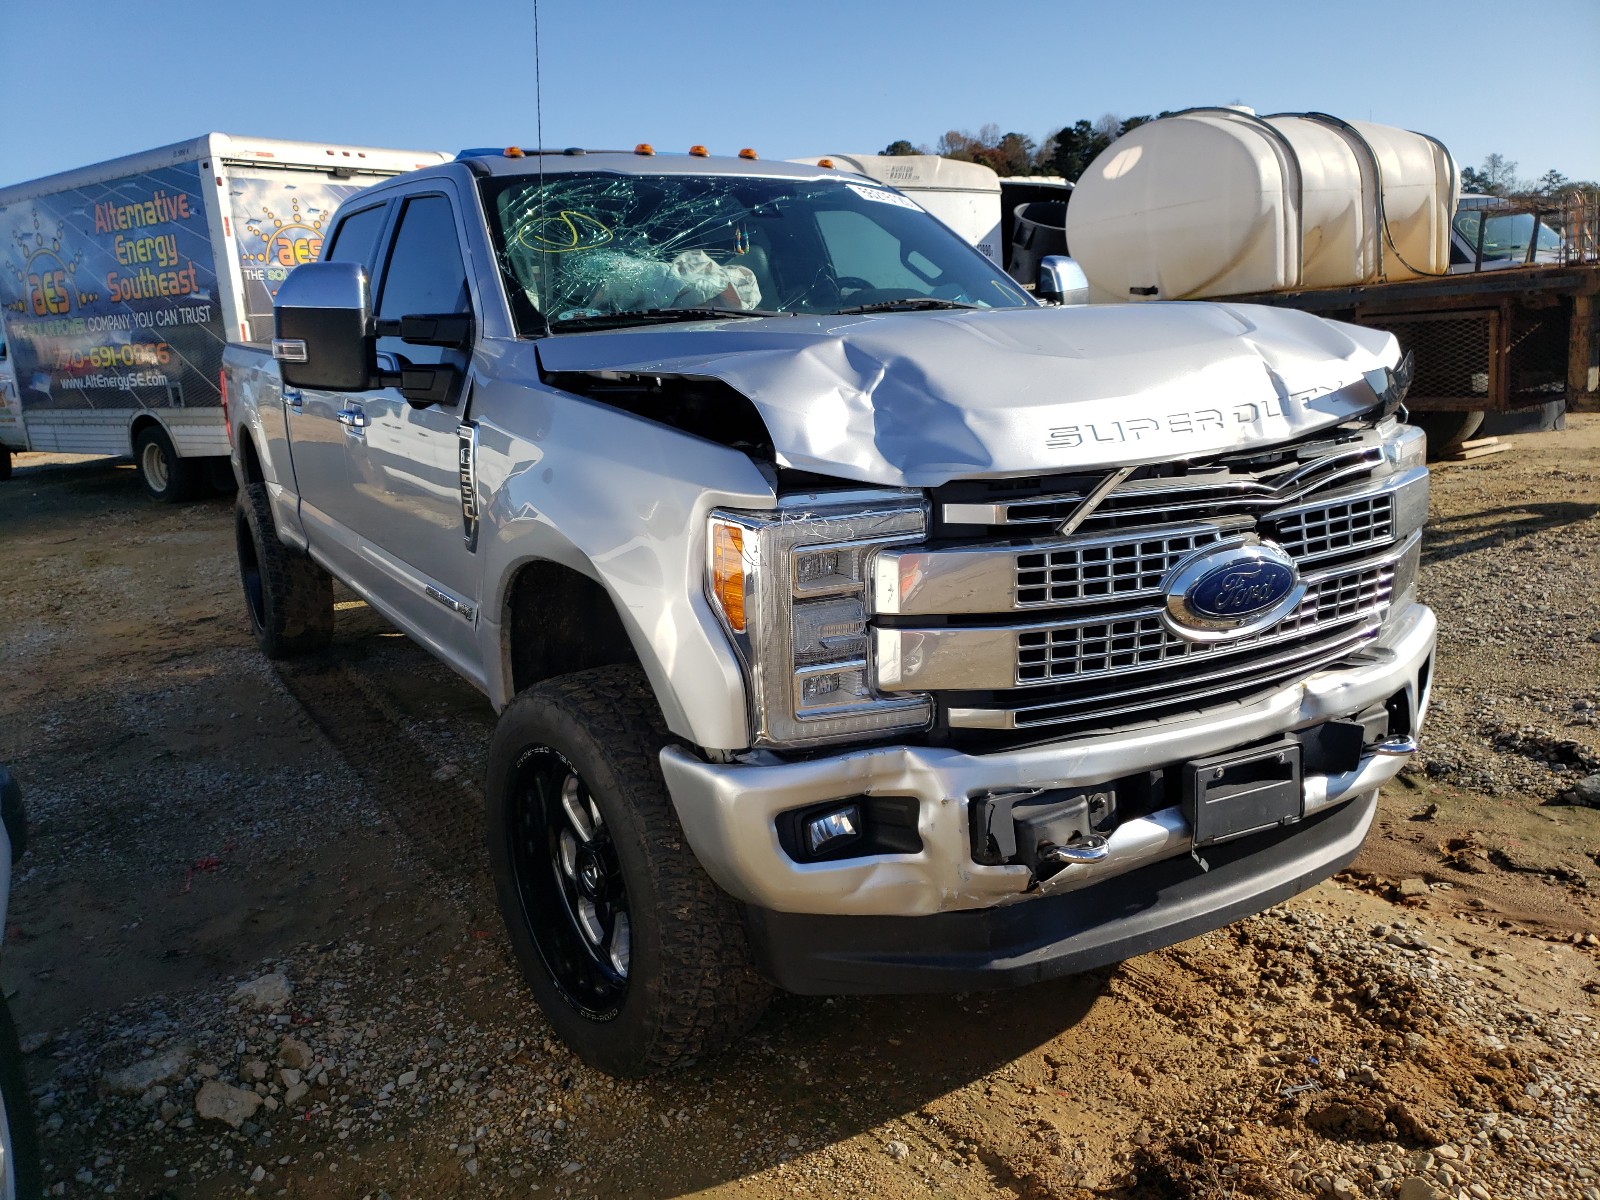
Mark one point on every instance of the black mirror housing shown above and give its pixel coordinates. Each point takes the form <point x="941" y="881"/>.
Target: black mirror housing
<point x="323" y="328"/>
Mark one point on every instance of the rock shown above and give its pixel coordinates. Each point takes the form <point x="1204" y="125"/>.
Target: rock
<point x="294" y="1093"/>
<point x="1447" y="1152"/>
<point x="170" y="1065"/>
<point x="32" y="1043"/>
<point x="407" y="1079"/>
<point x="471" y="1166"/>
<point x="1414" y="1187"/>
<point x="230" y="1105"/>
<point x="1411" y="889"/>
<point x="1341" y="1188"/>
<point x="1587" y="790"/>
<point x="294" y="1054"/>
<point x="255" y="1070"/>
<point x="288" y="1077"/>
<point x="898" y="1150"/>
<point x="258" y="1174"/>
<point x="269" y="991"/>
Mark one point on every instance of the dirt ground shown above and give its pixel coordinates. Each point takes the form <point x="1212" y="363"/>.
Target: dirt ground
<point x="1427" y="1024"/>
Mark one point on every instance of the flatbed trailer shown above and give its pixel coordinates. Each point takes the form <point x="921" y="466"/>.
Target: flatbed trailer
<point x="1489" y="341"/>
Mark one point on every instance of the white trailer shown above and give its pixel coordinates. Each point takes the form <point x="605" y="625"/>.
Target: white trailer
<point x="121" y="282"/>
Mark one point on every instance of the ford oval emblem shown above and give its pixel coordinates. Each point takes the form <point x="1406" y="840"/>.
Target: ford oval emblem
<point x="1232" y="590"/>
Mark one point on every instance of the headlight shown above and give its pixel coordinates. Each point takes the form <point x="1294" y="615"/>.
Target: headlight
<point x="790" y="586"/>
<point x="1406" y="447"/>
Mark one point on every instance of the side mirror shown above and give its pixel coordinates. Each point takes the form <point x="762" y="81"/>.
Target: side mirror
<point x="323" y="329"/>
<point x="1061" y="281"/>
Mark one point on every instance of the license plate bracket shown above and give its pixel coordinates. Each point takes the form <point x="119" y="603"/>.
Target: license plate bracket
<point x="1244" y="791"/>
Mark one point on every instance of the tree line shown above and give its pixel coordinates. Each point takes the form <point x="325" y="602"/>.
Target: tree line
<point x="1068" y="151"/>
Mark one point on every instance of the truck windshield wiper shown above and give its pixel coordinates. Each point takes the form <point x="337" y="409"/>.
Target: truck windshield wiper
<point x="908" y="304"/>
<point x="651" y="316"/>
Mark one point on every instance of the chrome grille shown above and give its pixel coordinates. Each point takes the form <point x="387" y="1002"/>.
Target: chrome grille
<point x="1105" y="569"/>
<point x="1085" y="649"/>
<point x="1228" y="487"/>
<point x="1035" y="628"/>
<point x="1356" y="524"/>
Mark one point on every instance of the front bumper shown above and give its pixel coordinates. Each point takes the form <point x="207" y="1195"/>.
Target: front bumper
<point x="1166" y="903"/>
<point x="729" y="811"/>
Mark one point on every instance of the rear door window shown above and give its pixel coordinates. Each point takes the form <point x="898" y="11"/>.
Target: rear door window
<point x="356" y="238"/>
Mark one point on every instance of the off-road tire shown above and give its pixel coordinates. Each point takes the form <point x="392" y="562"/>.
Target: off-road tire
<point x="166" y="477"/>
<point x="288" y="597"/>
<point x="1447" y="430"/>
<point x="21" y="1135"/>
<point x="691" y="987"/>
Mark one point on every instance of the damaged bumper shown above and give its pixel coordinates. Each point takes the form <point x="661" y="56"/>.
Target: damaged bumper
<point x="731" y="812"/>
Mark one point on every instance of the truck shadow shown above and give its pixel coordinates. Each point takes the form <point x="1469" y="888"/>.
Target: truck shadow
<point x="817" y="1071"/>
<point x="1451" y="537"/>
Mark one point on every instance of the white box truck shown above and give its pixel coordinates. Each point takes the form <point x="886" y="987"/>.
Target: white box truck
<point x="120" y="283"/>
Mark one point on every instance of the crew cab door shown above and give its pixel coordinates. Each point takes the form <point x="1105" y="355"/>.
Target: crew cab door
<point x="318" y="436"/>
<point x="405" y="502"/>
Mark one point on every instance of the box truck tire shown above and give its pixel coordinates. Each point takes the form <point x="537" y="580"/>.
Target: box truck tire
<point x="165" y="476"/>
<point x="289" y="597"/>
<point x="638" y="960"/>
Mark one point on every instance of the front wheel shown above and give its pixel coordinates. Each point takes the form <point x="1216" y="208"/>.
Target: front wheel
<point x="639" y="961"/>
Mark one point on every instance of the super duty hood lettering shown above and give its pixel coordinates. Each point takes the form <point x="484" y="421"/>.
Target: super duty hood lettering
<point x="917" y="399"/>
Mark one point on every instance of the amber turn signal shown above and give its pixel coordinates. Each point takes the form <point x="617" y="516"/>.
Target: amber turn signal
<point x="727" y="573"/>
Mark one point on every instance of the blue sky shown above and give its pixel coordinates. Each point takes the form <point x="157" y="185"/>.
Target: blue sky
<point x="84" y="80"/>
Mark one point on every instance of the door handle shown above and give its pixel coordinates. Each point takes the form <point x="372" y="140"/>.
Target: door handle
<point x="354" y="420"/>
<point x="293" y="398"/>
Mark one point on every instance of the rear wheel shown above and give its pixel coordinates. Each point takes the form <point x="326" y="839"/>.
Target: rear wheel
<point x="289" y="597"/>
<point x="1447" y="430"/>
<point x="165" y="476"/>
<point x="639" y="961"/>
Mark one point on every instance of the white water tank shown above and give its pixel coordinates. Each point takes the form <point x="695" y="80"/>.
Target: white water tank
<point x="1218" y="202"/>
<point x="965" y="196"/>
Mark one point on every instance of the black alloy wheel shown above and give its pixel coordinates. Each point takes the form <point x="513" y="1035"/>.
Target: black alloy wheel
<point x="564" y="862"/>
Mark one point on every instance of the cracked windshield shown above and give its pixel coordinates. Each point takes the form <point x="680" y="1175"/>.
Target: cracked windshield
<point x="595" y="250"/>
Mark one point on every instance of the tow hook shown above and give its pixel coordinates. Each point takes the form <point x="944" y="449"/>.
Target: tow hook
<point x="1090" y="848"/>
<point x="1396" y="747"/>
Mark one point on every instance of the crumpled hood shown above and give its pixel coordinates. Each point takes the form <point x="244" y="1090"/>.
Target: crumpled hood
<point x="919" y="398"/>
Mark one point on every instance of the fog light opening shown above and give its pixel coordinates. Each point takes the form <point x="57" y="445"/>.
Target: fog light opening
<point x="833" y="830"/>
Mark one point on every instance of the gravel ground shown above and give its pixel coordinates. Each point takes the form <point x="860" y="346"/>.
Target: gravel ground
<point x="254" y="950"/>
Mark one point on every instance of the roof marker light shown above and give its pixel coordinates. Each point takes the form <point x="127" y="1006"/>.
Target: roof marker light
<point x="514" y="152"/>
<point x="825" y="162"/>
<point x="748" y="153"/>
<point x="699" y="152"/>
<point x="644" y="148"/>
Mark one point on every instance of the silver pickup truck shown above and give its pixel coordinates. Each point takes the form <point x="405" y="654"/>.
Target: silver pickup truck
<point x="856" y="621"/>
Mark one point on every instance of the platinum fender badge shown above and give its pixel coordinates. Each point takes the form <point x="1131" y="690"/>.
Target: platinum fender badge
<point x="1231" y="591"/>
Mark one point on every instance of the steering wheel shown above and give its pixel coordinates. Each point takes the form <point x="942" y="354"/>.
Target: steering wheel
<point x="854" y="282"/>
